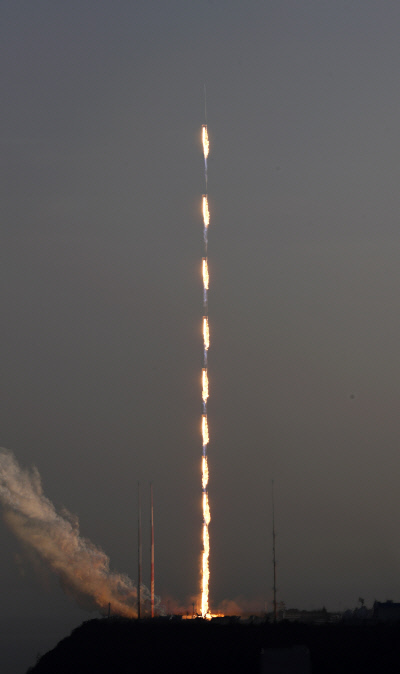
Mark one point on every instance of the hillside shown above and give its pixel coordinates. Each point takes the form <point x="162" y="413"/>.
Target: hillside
<point x="122" y="646"/>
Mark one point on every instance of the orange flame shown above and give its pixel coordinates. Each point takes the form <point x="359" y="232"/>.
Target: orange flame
<point x="206" y="554"/>
<point x="206" y="509"/>
<point x="205" y="385"/>
<point x="204" y="430"/>
<point x="206" y="333"/>
<point x="206" y="212"/>
<point x="206" y="537"/>
<point x="206" y="277"/>
<point x="206" y="144"/>
<point x="205" y="472"/>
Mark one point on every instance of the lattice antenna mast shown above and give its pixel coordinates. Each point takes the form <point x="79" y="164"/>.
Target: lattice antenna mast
<point x="273" y="552"/>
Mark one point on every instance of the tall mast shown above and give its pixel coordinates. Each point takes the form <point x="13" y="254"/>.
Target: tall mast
<point x="139" y="549"/>
<point x="152" y="551"/>
<point x="273" y="551"/>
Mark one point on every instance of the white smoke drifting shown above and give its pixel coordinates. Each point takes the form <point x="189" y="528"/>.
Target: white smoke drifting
<point x="82" y="568"/>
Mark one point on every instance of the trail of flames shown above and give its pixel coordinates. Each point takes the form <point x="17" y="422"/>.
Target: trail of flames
<point x="82" y="567"/>
<point x="206" y="555"/>
<point x="205" y="579"/>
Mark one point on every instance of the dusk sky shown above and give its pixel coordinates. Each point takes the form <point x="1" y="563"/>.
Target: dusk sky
<point x="101" y="295"/>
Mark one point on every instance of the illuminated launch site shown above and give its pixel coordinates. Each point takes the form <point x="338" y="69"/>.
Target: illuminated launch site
<point x="205" y="567"/>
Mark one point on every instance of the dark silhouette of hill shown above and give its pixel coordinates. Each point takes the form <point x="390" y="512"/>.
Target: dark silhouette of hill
<point x="122" y="646"/>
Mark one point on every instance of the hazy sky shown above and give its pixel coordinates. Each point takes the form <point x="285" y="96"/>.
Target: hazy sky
<point x="101" y="291"/>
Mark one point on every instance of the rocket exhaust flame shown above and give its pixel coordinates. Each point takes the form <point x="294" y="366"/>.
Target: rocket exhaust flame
<point x="206" y="144"/>
<point x="206" y="278"/>
<point x="206" y="212"/>
<point x="206" y="509"/>
<point x="204" y="431"/>
<point x="205" y="385"/>
<point x="82" y="567"/>
<point x="206" y="333"/>
<point x="206" y="149"/>
<point x="205" y="473"/>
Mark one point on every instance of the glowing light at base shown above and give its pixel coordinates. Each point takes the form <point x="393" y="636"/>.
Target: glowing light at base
<point x="205" y="572"/>
<point x="206" y="554"/>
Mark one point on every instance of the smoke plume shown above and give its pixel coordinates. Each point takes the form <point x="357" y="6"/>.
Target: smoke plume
<point x="82" y="568"/>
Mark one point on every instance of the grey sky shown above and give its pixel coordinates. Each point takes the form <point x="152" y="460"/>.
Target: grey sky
<point x="101" y="296"/>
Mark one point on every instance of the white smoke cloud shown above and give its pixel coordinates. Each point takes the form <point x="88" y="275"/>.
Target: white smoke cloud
<point x="82" y="568"/>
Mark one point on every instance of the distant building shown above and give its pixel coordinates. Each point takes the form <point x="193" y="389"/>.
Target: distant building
<point x="386" y="612"/>
<point x="296" y="615"/>
<point x="358" y="615"/>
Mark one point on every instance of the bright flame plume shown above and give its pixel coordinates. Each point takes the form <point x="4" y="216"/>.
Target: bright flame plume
<point x="206" y="507"/>
<point x="206" y="278"/>
<point x="206" y="144"/>
<point x="204" y="471"/>
<point x="206" y="333"/>
<point x="204" y="430"/>
<point x="205" y="385"/>
<point x="206" y="212"/>
<point x="206" y="555"/>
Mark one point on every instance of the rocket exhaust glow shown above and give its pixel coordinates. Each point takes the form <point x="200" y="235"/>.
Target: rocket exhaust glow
<point x="204" y="430"/>
<point x="206" y="333"/>
<point x="206" y="144"/>
<point x="206" y="212"/>
<point x="205" y="385"/>
<point x="206" y="149"/>
<point x="206" y="278"/>
<point x="206" y="219"/>
<point x="205" y="473"/>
